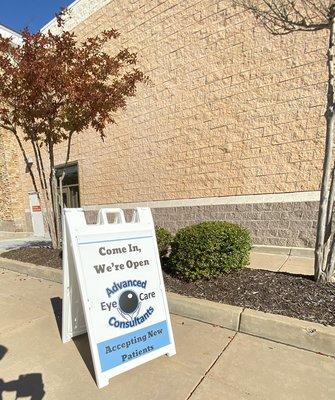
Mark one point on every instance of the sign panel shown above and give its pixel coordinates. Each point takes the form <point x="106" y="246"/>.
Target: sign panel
<point x="115" y="268"/>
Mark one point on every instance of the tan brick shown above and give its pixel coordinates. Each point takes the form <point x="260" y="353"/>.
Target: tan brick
<point x="230" y="110"/>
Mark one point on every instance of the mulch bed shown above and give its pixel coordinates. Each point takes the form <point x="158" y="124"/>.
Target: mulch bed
<point x="278" y="293"/>
<point x="36" y="255"/>
<point x="295" y="296"/>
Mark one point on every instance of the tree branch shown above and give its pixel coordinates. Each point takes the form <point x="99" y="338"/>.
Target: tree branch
<point x="68" y="147"/>
<point x="7" y="127"/>
<point x="281" y="17"/>
<point x="42" y="167"/>
<point x="17" y="137"/>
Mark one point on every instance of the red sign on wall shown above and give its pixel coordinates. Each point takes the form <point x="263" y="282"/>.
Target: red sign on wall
<point x="36" y="208"/>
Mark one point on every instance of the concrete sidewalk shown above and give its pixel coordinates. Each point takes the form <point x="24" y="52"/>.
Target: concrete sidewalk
<point x="211" y="362"/>
<point x="282" y="263"/>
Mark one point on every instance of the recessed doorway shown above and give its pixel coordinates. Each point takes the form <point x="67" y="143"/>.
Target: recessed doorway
<point x="69" y="187"/>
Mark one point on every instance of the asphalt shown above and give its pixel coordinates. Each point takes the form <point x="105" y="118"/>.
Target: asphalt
<point x="211" y="362"/>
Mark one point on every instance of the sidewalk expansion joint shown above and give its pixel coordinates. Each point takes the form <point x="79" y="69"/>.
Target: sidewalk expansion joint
<point x="211" y="366"/>
<point x="24" y="324"/>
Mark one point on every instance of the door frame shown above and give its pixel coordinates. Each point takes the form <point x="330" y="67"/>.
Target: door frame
<point x="69" y="164"/>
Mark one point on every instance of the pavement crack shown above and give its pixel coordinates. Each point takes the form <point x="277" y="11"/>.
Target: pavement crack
<point x="239" y="320"/>
<point x="285" y="261"/>
<point x="211" y="366"/>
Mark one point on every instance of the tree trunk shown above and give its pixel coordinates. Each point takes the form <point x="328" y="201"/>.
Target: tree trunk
<point x="45" y="192"/>
<point x="56" y="208"/>
<point x="61" y="178"/>
<point x="54" y="197"/>
<point x="324" y="248"/>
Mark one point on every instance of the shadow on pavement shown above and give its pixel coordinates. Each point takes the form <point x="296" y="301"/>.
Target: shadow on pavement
<point x="35" y="243"/>
<point x="303" y="276"/>
<point x="27" y="385"/>
<point x="56" y="303"/>
<point x="7" y="245"/>
<point x="84" y="350"/>
<point x="81" y="341"/>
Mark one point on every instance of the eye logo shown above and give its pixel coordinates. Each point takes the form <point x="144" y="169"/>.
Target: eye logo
<point x="129" y="304"/>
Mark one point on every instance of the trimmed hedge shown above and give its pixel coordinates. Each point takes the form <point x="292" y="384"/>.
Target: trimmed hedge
<point x="164" y="239"/>
<point x="209" y="249"/>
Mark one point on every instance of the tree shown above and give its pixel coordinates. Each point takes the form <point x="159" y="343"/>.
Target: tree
<point x="281" y="17"/>
<point x="52" y="87"/>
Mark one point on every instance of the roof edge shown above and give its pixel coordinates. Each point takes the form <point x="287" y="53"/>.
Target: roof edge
<point x="79" y="11"/>
<point x="7" y="28"/>
<point x="9" y="33"/>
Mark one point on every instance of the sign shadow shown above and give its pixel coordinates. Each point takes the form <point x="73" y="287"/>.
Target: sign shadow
<point x="56" y="304"/>
<point x="84" y="350"/>
<point x="81" y="341"/>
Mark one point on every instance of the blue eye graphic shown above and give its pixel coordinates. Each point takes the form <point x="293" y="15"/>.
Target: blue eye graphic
<point x="128" y="302"/>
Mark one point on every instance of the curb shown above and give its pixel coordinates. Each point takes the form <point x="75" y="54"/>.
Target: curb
<point x="210" y="312"/>
<point x="36" y="271"/>
<point x="288" y="251"/>
<point x="295" y="332"/>
<point x="286" y="330"/>
<point x="278" y="328"/>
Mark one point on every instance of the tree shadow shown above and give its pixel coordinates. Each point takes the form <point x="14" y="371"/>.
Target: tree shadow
<point x="297" y="275"/>
<point x="36" y="243"/>
<point x="81" y="342"/>
<point x="27" y="385"/>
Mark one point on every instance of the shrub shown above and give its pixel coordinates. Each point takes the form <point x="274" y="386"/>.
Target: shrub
<point x="164" y="239"/>
<point x="209" y="249"/>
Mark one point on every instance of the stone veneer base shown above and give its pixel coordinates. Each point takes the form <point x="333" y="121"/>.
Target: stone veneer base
<point x="290" y="224"/>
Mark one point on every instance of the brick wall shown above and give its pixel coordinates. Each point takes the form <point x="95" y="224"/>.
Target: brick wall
<point x="278" y="224"/>
<point x="230" y="109"/>
<point x="12" y="205"/>
<point x="5" y="207"/>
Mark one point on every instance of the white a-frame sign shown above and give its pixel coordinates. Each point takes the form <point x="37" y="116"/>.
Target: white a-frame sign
<point x="114" y="290"/>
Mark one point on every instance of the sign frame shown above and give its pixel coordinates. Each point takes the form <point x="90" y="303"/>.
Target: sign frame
<point x="76" y="309"/>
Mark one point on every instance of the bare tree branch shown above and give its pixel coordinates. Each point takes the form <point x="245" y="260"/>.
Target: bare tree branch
<point x="282" y="17"/>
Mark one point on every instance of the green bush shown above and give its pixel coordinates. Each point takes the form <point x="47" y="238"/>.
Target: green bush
<point x="209" y="249"/>
<point x="164" y="239"/>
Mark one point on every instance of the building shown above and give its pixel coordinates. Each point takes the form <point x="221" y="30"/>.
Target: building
<point x="231" y="126"/>
<point x="12" y="209"/>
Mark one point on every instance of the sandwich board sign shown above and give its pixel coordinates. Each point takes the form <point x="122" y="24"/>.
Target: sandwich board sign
<point x="113" y="288"/>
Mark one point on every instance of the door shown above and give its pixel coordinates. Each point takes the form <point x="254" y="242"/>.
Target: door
<point x="36" y="215"/>
<point x="71" y="196"/>
<point x="70" y="185"/>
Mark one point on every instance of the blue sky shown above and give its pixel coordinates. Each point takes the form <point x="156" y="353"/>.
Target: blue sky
<point x="34" y="14"/>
